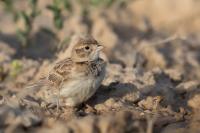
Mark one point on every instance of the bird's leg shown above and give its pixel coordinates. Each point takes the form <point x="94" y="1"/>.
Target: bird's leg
<point x="58" y="100"/>
<point x="58" y="97"/>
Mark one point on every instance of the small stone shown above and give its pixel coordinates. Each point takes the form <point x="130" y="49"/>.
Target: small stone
<point x="194" y="102"/>
<point x="187" y="86"/>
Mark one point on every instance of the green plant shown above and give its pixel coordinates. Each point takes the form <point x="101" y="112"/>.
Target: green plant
<point x="67" y="5"/>
<point x="9" y="8"/>
<point x="8" y="5"/>
<point x="101" y="2"/>
<point x="16" y="68"/>
<point x="28" y="19"/>
<point x="1" y="73"/>
<point x="57" y="7"/>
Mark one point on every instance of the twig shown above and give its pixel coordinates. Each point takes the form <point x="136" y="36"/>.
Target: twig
<point x="169" y="39"/>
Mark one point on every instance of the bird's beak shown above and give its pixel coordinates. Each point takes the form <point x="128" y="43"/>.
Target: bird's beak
<point x="99" y="47"/>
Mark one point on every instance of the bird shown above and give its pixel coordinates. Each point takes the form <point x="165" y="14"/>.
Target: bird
<point x="73" y="80"/>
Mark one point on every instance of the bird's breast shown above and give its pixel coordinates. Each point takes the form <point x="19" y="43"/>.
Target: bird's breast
<point x="75" y="85"/>
<point x="81" y="88"/>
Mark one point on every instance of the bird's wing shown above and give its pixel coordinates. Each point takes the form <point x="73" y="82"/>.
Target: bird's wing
<point x="60" y="72"/>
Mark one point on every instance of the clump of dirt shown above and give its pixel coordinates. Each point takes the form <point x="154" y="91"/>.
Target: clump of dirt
<point x="152" y="81"/>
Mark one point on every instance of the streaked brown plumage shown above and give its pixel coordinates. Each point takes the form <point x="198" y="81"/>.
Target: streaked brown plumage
<point x="75" y="79"/>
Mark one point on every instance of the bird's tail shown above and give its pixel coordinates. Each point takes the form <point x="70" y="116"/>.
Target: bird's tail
<point x="32" y="88"/>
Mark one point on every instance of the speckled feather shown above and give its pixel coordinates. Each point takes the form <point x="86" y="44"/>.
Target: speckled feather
<point x="72" y="80"/>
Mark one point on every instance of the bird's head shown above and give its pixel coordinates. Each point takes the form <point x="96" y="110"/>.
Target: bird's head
<point x="86" y="48"/>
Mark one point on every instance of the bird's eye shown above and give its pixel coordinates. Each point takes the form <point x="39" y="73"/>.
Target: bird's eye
<point x="87" y="47"/>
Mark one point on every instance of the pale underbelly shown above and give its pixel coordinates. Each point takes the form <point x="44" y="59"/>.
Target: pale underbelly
<point x="80" y="90"/>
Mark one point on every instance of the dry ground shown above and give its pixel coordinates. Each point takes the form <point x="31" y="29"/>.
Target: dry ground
<point x="153" y="76"/>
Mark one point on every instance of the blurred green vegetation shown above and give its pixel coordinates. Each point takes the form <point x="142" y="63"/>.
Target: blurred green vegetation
<point x="57" y="7"/>
<point x="1" y="73"/>
<point x="16" y="68"/>
<point x="26" y="17"/>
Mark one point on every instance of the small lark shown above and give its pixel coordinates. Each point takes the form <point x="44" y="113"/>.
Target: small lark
<point x="73" y="80"/>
